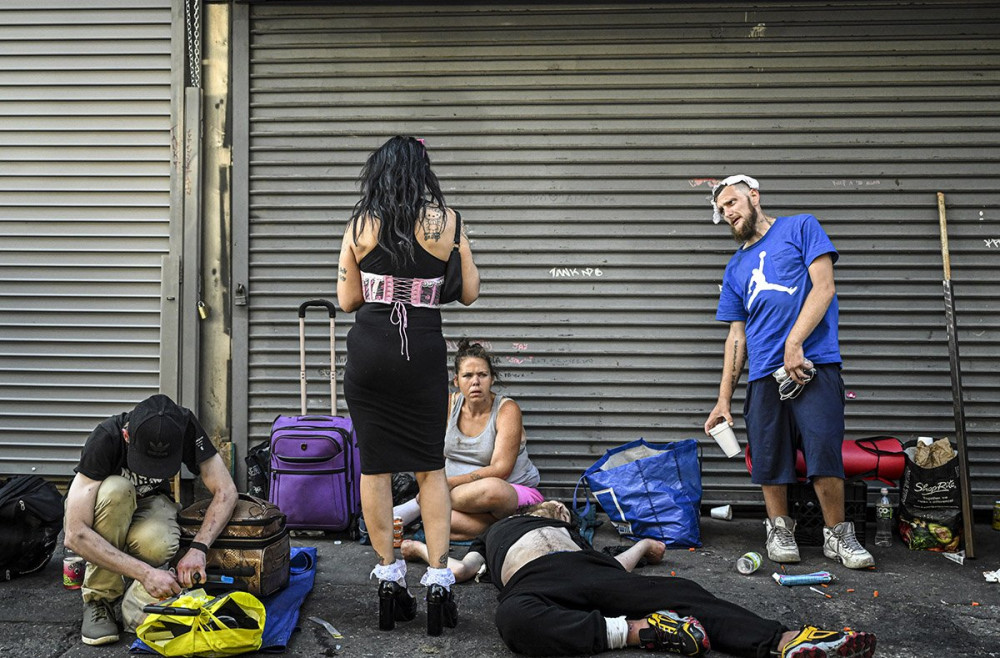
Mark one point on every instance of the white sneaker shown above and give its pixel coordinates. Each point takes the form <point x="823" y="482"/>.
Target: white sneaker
<point x="840" y="543"/>
<point x="780" y="544"/>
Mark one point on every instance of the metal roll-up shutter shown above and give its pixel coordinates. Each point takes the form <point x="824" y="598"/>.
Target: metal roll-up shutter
<point x="85" y="153"/>
<point x="580" y="141"/>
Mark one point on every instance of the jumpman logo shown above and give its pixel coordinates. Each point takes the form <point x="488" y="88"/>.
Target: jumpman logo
<point x="759" y="282"/>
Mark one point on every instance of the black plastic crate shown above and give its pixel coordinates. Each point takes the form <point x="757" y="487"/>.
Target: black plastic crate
<point x="804" y="509"/>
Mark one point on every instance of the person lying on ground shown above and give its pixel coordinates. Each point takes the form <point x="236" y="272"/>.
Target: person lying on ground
<point x="560" y="597"/>
<point x="486" y="461"/>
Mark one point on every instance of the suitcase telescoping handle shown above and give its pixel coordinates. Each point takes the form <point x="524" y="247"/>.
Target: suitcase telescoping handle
<point x="329" y="306"/>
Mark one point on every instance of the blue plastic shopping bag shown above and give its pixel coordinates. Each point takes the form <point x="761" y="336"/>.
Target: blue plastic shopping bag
<point x="649" y="490"/>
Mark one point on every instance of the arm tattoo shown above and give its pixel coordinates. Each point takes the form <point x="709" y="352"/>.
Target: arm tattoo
<point x="433" y="224"/>
<point x="343" y="274"/>
<point x="474" y="476"/>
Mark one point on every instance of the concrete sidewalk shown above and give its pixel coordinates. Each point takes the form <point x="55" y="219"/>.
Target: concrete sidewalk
<point x="924" y="605"/>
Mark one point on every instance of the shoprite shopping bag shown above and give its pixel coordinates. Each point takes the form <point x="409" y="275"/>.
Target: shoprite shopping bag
<point x="649" y="490"/>
<point x="196" y="624"/>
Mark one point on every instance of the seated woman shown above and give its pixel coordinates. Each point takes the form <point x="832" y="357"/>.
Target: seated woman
<point x="486" y="462"/>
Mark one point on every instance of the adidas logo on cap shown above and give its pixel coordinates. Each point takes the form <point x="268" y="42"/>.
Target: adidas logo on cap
<point x="158" y="450"/>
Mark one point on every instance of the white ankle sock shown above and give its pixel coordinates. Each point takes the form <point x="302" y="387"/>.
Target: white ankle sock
<point x="395" y="572"/>
<point x="617" y="632"/>
<point x="408" y="511"/>
<point x="443" y="577"/>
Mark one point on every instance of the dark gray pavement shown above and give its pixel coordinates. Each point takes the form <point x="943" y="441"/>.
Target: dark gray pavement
<point x="924" y="607"/>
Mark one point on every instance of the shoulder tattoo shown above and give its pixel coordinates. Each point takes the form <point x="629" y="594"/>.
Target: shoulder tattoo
<point x="433" y="223"/>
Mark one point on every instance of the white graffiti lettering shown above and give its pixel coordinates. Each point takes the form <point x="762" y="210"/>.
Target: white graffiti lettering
<point x="557" y="272"/>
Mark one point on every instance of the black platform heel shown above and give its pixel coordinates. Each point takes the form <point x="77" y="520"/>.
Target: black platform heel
<point x="441" y="609"/>
<point x="395" y="603"/>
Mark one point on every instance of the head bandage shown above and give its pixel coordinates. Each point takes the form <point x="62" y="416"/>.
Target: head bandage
<point x="732" y="180"/>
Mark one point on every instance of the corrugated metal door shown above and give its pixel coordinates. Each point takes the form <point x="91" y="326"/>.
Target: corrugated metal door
<point x="581" y="140"/>
<point x="85" y="117"/>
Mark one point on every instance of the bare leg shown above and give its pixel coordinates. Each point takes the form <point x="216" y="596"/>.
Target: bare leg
<point x="634" y="626"/>
<point x="830" y="492"/>
<point x="376" y="505"/>
<point x="469" y="526"/>
<point x="476" y="505"/>
<point x="775" y="499"/>
<point x="786" y="637"/>
<point x="435" y="509"/>
<point x="488" y="496"/>
<point x="650" y="549"/>
<point x="463" y="569"/>
<point x="413" y="550"/>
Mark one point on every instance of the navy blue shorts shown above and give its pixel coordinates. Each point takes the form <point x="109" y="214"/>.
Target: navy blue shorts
<point x="814" y="422"/>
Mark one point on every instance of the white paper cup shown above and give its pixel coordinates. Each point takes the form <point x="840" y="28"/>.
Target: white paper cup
<point x="726" y="438"/>
<point x="724" y="512"/>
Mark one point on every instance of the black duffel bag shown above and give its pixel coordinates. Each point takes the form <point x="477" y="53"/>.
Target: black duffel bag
<point x="31" y="515"/>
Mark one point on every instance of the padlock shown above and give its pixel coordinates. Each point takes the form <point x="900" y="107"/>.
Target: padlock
<point x="202" y="310"/>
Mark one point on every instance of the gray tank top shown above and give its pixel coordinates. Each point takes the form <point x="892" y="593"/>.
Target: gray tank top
<point x="464" y="454"/>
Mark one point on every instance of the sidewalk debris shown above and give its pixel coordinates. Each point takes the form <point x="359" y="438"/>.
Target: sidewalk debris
<point x="815" y="578"/>
<point x="957" y="557"/>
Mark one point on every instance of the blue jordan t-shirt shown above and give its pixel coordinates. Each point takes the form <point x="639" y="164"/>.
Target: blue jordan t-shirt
<point x="766" y="284"/>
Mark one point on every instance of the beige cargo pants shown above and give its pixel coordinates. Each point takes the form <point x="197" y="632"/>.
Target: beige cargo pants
<point x="145" y="529"/>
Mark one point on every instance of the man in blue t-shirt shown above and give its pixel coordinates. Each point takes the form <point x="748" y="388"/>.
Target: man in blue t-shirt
<point x="779" y="299"/>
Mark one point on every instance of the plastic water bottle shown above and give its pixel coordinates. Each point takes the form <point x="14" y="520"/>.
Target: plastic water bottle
<point x="748" y="563"/>
<point x="883" y="520"/>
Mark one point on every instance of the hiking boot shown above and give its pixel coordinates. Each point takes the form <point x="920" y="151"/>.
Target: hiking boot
<point x="780" y="544"/>
<point x="669" y="632"/>
<point x="99" y="625"/>
<point x="812" y="642"/>
<point x="840" y="543"/>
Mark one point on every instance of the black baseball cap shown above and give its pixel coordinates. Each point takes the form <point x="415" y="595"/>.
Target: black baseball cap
<point x="156" y="429"/>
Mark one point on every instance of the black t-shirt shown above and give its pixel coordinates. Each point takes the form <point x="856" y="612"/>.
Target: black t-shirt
<point x="105" y="454"/>
<point x="494" y="543"/>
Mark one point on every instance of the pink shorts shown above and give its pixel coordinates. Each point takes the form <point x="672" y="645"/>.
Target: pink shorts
<point x="527" y="495"/>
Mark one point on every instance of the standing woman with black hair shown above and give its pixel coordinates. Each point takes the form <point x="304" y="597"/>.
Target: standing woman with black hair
<point x="392" y="264"/>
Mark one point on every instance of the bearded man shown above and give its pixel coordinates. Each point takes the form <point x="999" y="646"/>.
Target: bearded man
<point x="779" y="298"/>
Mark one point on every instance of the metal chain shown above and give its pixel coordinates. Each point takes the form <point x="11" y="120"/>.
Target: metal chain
<point x="192" y="14"/>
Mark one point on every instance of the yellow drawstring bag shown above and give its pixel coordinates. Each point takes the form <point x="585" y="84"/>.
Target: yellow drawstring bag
<point x="196" y="624"/>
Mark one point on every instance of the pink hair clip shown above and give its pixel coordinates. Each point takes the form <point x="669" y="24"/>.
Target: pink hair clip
<point x="422" y="142"/>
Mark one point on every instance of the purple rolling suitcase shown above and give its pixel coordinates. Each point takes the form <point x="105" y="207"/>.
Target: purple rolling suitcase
<point x="315" y="461"/>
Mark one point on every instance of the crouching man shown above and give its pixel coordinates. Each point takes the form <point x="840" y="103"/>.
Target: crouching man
<point x="119" y="514"/>
<point x="559" y="597"/>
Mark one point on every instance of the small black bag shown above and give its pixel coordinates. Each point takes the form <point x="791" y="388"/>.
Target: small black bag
<point x="31" y="515"/>
<point x="258" y="462"/>
<point x="404" y="487"/>
<point x="451" y="290"/>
